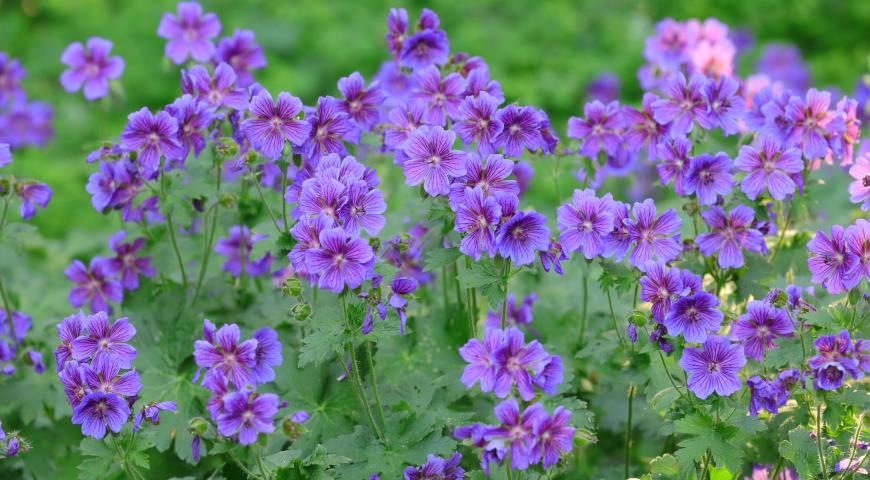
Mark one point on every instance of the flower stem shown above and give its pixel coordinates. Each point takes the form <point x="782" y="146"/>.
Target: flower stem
<point x="356" y="378"/>
<point x="819" y="420"/>
<point x="208" y="235"/>
<point x="241" y="465"/>
<point x="505" y="278"/>
<point x="5" y="210"/>
<point x="668" y="372"/>
<point x="585" y="306"/>
<point x="375" y="388"/>
<point x="471" y="305"/>
<point x="628" y="431"/>
<point x="613" y="317"/>
<point x="263" y="198"/>
<point x="260" y="464"/>
<point x="781" y="235"/>
<point x="171" y="227"/>
<point x="284" y="202"/>
<point x="854" y="448"/>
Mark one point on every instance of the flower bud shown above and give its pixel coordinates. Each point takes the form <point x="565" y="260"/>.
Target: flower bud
<point x="197" y="426"/>
<point x="292" y="287"/>
<point x="301" y="311"/>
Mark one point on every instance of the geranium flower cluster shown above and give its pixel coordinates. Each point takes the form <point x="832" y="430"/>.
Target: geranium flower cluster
<point x="337" y="200"/>
<point x="840" y="260"/>
<point x="105" y="279"/>
<point x="95" y="366"/>
<point x="837" y="358"/>
<point x="234" y="369"/>
<point x="14" y="326"/>
<point x="503" y="363"/>
<point x="435" y="468"/>
<point x="22" y="122"/>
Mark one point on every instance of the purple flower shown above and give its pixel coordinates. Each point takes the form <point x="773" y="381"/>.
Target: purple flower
<point x="518" y="313"/>
<point x="306" y="232"/>
<point x="152" y="136"/>
<point x="478" y="122"/>
<point x="684" y="104"/>
<point x="659" y="286"/>
<point x="518" y="363"/>
<point x="517" y="430"/>
<point x="401" y="289"/>
<point x="524" y="234"/>
<point x="431" y="161"/>
<point x="601" y="130"/>
<point x="225" y="356"/>
<point x="553" y="435"/>
<point x="340" y="260"/>
<point x="151" y="412"/>
<point x="714" y="367"/>
<point x="859" y="190"/>
<point x="585" y="222"/>
<point x="441" y="96"/>
<point x="435" y="468"/>
<point x="833" y="361"/>
<point x="126" y="264"/>
<point x="91" y="67"/>
<point x="361" y="104"/>
<point x="709" y="176"/>
<point x="477" y="216"/>
<point x="770" y="395"/>
<point x="424" y="49"/>
<point x="99" y="410"/>
<point x="247" y="414"/>
<point x="5" y="155"/>
<point x="759" y="327"/>
<point x="521" y="128"/>
<point x="479" y="81"/>
<point x="31" y="195"/>
<point x="194" y="117"/>
<point x="11" y="74"/>
<point x="642" y="129"/>
<point x="72" y="378"/>
<point x="618" y="241"/>
<point x="218" y="91"/>
<point x="26" y="123"/>
<point x="329" y="128"/>
<point x="243" y="53"/>
<point x="783" y="62"/>
<point x="115" y="184"/>
<point x="363" y="210"/>
<point x="858" y="242"/>
<point x="397" y="27"/>
<point x="189" y="33"/>
<point x="729" y="233"/>
<point x="831" y="264"/>
<point x="553" y="257"/>
<point x="809" y="119"/>
<point x="67" y="331"/>
<point x="267" y="354"/>
<point x="693" y="316"/>
<point x="238" y="247"/>
<point x="402" y="121"/>
<point x="273" y="123"/>
<point x="13" y="446"/>
<point x="770" y="165"/>
<point x="94" y="284"/>
<point x="492" y="178"/>
<point x="724" y="106"/>
<point x="653" y="237"/>
<point x="103" y="376"/>
<point x="104" y="342"/>
<point x="481" y="362"/>
<point x="523" y="172"/>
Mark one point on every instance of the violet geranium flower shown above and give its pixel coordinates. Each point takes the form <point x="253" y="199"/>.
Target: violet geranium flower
<point x="99" y="410"/>
<point x="431" y="160"/>
<point x="225" y="356"/>
<point x="243" y="53"/>
<point x="361" y="104"/>
<point x="659" y="286"/>
<point x="694" y="317"/>
<point x="94" y="284"/>
<point x="271" y="124"/>
<point x="478" y="123"/>
<point x="859" y="190"/>
<point x="90" y="67"/>
<point x="152" y="136"/>
<point x="759" y="327"/>
<point x="189" y="33"/>
<point x="770" y="165"/>
<point x="709" y="176"/>
<point x="600" y="130"/>
<point x="105" y="342"/>
<point x="31" y="195"/>
<point x="248" y="414"/>
<point x="477" y="216"/>
<point x="517" y="430"/>
<point x="832" y="264"/>
<point x="340" y="260"/>
<point x="683" y="105"/>
<point x="521" y="128"/>
<point x="651" y="236"/>
<point x="729" y="234"/>
<point x="522" y="236"/>
<point x="481" y="364"/>
<point x="714" y="367"/>
<point x="441" y="96"/>
<point x="518" y="363"/>
<point x="585" y="222"/>
<point x="126" y="263"/>
<point x="238" y="248"/>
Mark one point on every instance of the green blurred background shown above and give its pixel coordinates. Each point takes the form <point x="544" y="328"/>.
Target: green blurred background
<point x="544" y="53"/>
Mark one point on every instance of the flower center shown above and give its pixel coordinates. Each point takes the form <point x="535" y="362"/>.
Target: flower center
<point x="713" y="367"/>
<point x="434" y="160"/>
<point x="153" y="138"/>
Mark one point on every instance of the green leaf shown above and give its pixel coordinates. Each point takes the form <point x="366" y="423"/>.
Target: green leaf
<point x="440" y="257"/>
<point x="281" y="459"/>
<point x="800" y="450"/>
<point x="665" y="465"/>
<point x="480" y="274"/>
<point x="617" y="276"/>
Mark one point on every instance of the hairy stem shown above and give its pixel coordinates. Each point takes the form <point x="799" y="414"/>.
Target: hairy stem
<point x="628" y="431"/>
<point x="171" y="227"/>
<point x="356" y="378"/>
<point x="375" y="390"/>
<point x="819" y="420"/>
